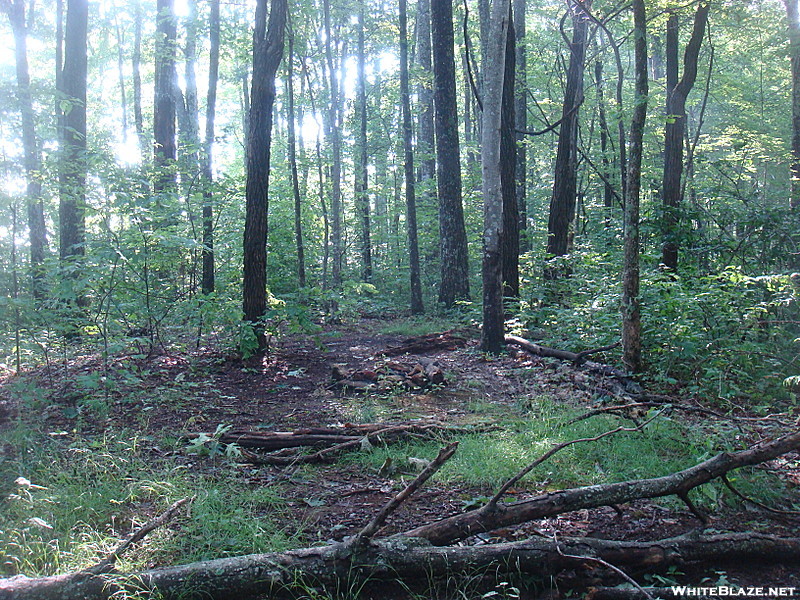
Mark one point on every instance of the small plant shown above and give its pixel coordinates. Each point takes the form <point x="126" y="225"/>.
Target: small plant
<point x="210" y="445"/>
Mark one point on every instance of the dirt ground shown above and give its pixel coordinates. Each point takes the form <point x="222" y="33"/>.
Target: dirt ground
<point x="292" y="388"/>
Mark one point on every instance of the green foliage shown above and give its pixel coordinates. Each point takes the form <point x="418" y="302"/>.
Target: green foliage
<point x="727" y="335"/>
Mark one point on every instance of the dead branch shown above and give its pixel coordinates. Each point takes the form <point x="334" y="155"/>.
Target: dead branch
<point x="280" y="574"/>
<point x="433" y="342"/>
<point x="579" y="360"/>
<point x="491" y="517"/>
<point x="371" y="433"/>
<point x="379" y="519"/>
<point x="165" y="517"/>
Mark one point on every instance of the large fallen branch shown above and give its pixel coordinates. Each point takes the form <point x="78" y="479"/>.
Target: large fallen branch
<point x="333" y="440"/>
<point x="494" y="516"/>
<point x="335" y="567"/>
<point x="579" y="360"/>
<point x="432" y="342"/>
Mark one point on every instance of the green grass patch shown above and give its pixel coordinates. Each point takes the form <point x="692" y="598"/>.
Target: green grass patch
<point x="416" y="326"/>
<point x="66" y="503"/>
<point x="666" y="445"/>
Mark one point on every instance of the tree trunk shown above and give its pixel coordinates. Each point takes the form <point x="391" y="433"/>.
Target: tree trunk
<point x="405" y="563"/>
<point x="562" y="202"/>
<point x="494" y="94"/>
<point x="605" y="136"/>
<point x="123" y="97"/>
<point x="521" y="118"/>
<point x="189" y="122"/>
<point x="207" y="280"/>
<point x="292" y="156"/>
<point x="267" y="55"/>
<point x="677" y="92"/>
<point x="73" y="165"/>
<point x="417" y="306"/>
<point x="362" y="182"/>
<point x="164" y="113"/>
<point x="793" y="20"/>
<point x="631" y="312"/>
<point x="136" y="60"/>
<point x="335" y="134"/>
<point x="453" y="236"/>
<point x="425" y="135"/>
<point x="15" y="10"/>
<point x="508" y="171"/>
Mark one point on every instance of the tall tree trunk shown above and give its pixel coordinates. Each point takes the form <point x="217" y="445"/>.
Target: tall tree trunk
<point x="292" y="156"/>
<point x="453" y="236"/>
<point x="631" y="312"/>
<point x="73" y="164"/>
<point x="793" y="20"/>
<point x="494" y="90"/>
<point x="605" y="137"/>
<point x="521" y="118"/>
<point x="417" y="306"/>
<point x="189" y="122"/>
<point x="207" y="280"/>
<point x="165" y="150"/>
<point x="425" y="135"/>
<point x="136" y="60"/>
<point x="267" y="55"/>
<point x="508" y="169"/>
<point x="562" y="201"/>
<point x="677" y="92"/>
<point x="362" y="182"/>
<point x="123" y="97"/>
<point x="33" y="160"/>
<point x="335" y="134"/>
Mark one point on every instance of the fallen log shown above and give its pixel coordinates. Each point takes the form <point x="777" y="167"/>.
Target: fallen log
<point x="400" y="559"/>
<point x="330" y="436"/>
<point x="493" y="516"/>
<point x="433" y="342"/>
<point x="388" y="375"/>
<point x="578" y="359"/>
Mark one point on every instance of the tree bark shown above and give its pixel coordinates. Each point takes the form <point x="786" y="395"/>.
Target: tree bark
<point x="425" y="135"/>
<point x="291" y="150"/>
<point x="417" y="306"/>
<point x="605" y="136"/>
<point x="677" y="92"/>
<point x="492" y="334"/>
<point x="452" y="232"/>
<point x="73" y="164"/>
<point x="164" y="113"/>
<point x="335" y="135"/>
<point x="267" y="55"/>
<point x="136" y="60"/>
<point x="207" y="280"/>
<point x="562" y="201"/>
<point x="508" y="170"/>
<point x="793" y="20"/>
<point x="337" y="566"/>
<point x="631" y="311"/>
<point x="15" y="9"/>
<point x="521" y="119"/>
<point x="362" y="181"/>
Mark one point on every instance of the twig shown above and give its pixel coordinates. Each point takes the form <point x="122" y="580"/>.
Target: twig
<point x="606" y="564"/>
<point x="107" y="563"/>
<point x="557" y="448"/>
<point x="379" y="519"/>
<point x="791" y="513"/>
<point x="701" y="516"/>
<point x="584" y="353"/>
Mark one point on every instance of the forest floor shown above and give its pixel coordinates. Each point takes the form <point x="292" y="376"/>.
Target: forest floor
<point x="165" y="398"/>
